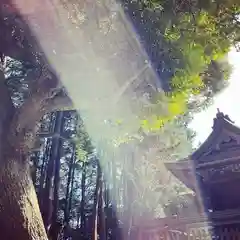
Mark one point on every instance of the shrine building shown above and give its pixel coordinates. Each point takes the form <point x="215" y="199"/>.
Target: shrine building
<point x="212" y="172"/>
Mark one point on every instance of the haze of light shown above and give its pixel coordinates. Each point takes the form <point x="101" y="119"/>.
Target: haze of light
<point x="82" y="56"/>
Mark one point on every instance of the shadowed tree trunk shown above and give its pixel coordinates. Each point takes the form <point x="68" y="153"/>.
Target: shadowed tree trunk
<point x="46" y="206"/>
<point x="72" y="183"/>
<point x="43" y="175"/>
<point x="20" y="217"/>
<point x="56" y="226"/>
<point x="67" y="204"/>
<point x="82" y="209"/>
<point x="69" y="194"/>
<point x="18" y="200"/>
<point x="96" y="203"/>
<point x="102" y="216"/>
<point x="57" y="165"/>
<point x="52" y="183"/>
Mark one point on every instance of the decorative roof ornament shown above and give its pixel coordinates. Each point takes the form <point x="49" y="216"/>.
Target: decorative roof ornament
<point x="220" y="115"/>
<point x="220" y="118"/>
<point x="218" y="110"/>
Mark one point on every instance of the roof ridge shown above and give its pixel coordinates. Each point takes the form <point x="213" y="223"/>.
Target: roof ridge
<point x="220" y="118"/>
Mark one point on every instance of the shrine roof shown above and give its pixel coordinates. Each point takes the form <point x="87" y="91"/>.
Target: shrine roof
<point x="183" y="170"/>
<point x="223" y="128"/>
<point x="222" y="144"/>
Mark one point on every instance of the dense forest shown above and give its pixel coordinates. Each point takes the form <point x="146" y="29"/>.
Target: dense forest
<point x="56" y="182"/>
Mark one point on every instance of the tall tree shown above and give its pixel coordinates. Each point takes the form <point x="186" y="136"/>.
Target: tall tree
<point x="96" y="203"/>
<point x="20" y="216"/>
<point x="102" y="215"/>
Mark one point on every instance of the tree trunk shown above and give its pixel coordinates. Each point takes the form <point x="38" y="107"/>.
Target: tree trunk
<point x="72" y="183"/>
<point x="56" y="227"/>
<point x="20" y="217"/>
<point x="66" y="208"/>
<point x="47" y="208"/>
<point x="41" y="192"/>
<point x="56" y="183"/>
<point x="102" y="216"/>
<point x="69" y="195"/>
<point x="82" y="206"/>
<point x="96" y="203"/>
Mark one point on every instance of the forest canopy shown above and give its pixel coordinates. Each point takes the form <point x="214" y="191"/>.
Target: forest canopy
<point x="197" y="35"/>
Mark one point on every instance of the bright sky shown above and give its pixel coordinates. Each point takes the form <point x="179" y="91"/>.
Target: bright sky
<point x="228" y="102"/>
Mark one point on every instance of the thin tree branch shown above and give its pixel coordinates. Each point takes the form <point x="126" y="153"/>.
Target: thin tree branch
<point x="24" y="123"/>
<point x="59" y="103"/>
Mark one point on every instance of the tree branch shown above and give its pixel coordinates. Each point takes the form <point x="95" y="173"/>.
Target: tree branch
<point x="59" y="103"/>
<point x="41" y="98"/>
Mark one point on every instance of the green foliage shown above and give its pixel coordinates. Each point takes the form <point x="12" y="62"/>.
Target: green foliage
<point x="200" y="42"/>
<point x="198" y="34"/>
<point x="216" y="76"/>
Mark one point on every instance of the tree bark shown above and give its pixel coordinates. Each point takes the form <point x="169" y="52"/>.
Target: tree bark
<point x="41" y="192"/>
<point x="20" y="217"/>
<point x="72" y="183"/>
<point x="96" y="204"/>
<point x="82" y="205"/>
<point x="47" y="197"/>
<point x="102" y="216"/>
<point x="56" y="185"/>
<point x="47" y="207"/>
<point x="66" y="208"/>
